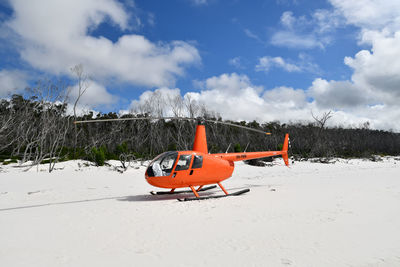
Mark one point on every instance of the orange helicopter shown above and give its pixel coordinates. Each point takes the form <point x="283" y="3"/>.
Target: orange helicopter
<point x="197" y="168"/>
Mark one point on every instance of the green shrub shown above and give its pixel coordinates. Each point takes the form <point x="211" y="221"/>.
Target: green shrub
<point x="122" y="148"/>
<point x="99" y="155"/>
<point x="172" y="147"/>
<point x="8" y="161"/>
<point x="237" y="148"/>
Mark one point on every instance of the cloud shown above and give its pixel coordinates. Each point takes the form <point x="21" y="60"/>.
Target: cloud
<point x="370" y="14"/>
<point x="303" y="64"/>
<point x="236" y="62"/>
<point x="373" y="92"/>
<point x="287" y="19"/>
<point x="337" y="94"/>
<point x="230" y="83"/>
<point x="304" y="32"/>
<point x="12" y="81"/>
<point x="287" y="2"/>
<point x="267" y="62"/>
<point x="199" y="2"/>
<point x="286" y="97"/>
<point x="235" y="97"/>
<point x="252" y="35"/>
<point x="379" y="68"/>
<point x="375" y="81"/>
<point x="96" y="95"/>
<point x="298" y="41"/>
<point x="55" y="35"/>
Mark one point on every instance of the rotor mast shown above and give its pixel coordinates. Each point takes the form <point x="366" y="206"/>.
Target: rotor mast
<point x="200" y="139"/>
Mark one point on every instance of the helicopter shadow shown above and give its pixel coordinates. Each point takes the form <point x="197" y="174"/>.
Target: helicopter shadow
<point x="149" y="197"/>
<point x="133" y="198"/>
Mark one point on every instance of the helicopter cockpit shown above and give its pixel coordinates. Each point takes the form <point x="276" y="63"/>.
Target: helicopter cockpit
<point x="162" y="165"/>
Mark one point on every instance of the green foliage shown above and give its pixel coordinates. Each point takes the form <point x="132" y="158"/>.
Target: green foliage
<point x="237" y="148"/>
<point x="172" y="147"/>
<point x="280" y="146"/>
<point x="8" y="161"/>
<point x="99" y="155"/>
<point x="213" y="148"/>
<point x="122" y="148"/>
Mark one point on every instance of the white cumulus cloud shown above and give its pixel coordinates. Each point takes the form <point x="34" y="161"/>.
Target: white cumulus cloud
<point x="374" y="88"/>
<point x="307" y="32"/>
<point x="95" y="95"/>
<point x="267" y="62"/>
<point x="54" y="35"/>
<point x="235" y="97"/>
<point x="12" y="81"/>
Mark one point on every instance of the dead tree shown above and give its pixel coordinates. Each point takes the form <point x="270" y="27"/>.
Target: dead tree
<point x="321" y="146"/>
<point x="82" y="85"/>
<point x="191" y="106"/>
<point x="43" y="126"/>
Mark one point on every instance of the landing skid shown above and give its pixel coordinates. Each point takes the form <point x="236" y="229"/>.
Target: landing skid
<point x="219" y="196"/>
<point x="182" y="191"/>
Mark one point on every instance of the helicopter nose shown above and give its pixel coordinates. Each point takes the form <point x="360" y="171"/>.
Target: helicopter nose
<point x="151" y="180"/>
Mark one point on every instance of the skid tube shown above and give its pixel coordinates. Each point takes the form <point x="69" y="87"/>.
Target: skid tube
<point x="238" y="193"/>
<point x="173" y="192"/>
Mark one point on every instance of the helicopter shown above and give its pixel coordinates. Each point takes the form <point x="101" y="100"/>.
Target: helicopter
<point x="197" y="167"/>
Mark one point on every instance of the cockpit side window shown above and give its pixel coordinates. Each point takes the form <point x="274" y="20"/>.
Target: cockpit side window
<point x="183" y="162"/>
<point x="197" y="162"/>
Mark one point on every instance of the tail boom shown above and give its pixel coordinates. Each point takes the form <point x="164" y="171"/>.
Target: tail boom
<point x="256" y="155"/>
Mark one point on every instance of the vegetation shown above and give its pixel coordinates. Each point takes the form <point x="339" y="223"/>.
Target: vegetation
<point x="36" y="127"/>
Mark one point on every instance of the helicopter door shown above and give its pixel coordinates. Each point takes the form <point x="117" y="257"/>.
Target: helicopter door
<point x="197" y="163"/>
<point x="182" y="164"/>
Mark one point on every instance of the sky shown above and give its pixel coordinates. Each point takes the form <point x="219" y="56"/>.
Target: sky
<point x="276" y="60"/>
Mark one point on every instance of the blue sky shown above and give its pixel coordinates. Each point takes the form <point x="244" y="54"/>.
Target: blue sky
<point x="245" y="60"/>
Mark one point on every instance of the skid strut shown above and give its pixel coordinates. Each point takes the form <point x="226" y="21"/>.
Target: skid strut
<point x="173" y="192"/>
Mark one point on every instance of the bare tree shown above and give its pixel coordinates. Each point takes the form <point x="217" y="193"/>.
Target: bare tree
<point x="318" y="148"/>
<point x="7" y="121"/>
<point x="176" y="105"/>
<point x="321" y="121"/>
<point x="83" y="84"/>
<point x="40" y="124"/>
<point x="191" y="106"/>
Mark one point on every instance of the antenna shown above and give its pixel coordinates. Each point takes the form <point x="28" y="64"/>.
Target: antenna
<point x="246" y="147"/>
<point x="228" y="148"/>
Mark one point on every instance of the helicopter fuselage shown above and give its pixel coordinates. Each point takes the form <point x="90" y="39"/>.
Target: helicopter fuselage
<point x="190" y="168"/>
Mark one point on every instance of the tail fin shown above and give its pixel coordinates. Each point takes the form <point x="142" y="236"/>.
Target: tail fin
<point x="285" y="150"/>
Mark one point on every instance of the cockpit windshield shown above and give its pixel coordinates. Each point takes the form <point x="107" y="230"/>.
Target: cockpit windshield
<point x="162" y="165"/>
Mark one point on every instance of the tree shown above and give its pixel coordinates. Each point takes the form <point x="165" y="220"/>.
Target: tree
<point x="82" y="85"/>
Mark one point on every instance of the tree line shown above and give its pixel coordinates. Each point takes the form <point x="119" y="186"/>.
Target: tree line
<point x="37" y="127"/>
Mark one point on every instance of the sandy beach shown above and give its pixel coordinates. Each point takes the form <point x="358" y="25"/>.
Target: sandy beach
<point x="311" y="214"/>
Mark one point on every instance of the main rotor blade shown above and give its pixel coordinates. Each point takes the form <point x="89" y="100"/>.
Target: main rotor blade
<point x="240" y="126"/>
<point x="132" y="119"/>
<point x="175" y="118"/>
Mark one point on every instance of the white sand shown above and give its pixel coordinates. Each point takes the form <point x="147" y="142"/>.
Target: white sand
<point x="343" y="214"/>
